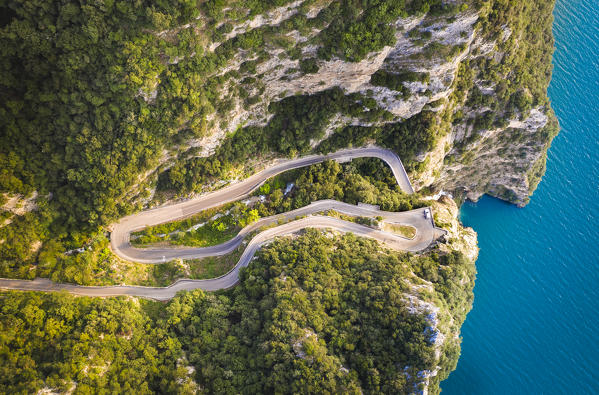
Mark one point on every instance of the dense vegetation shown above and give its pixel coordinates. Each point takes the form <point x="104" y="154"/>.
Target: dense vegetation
<point x="394" y="81"/>
<point x="73" y="110"/>
<point x="94" y="96"/>
<point x="364" y="180"/>
<point x="74" y="127"/>
<point x="519" y="77"/>
<point x="78" y="126"/>
<point x="297" y="121"/>
<point x="407" y="138"/>
<point x="202" y="230"/>
<point x="64" y="343"/>
<point x="91" y="95"/>
<point x="73" y="123"/>
<point x="356" y="28"/>
<point x="312" y="314"/>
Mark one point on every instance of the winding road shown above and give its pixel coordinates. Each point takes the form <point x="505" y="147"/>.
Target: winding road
<point x="426" y="232"/>
<point x="119" y="238"/>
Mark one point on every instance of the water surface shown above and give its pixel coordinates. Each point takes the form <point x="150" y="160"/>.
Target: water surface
<point x="534" y="326"/>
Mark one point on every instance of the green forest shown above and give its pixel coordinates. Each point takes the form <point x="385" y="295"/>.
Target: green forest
<point x="75" y="124"/>
<point x="100" y="102"/>
<point x="77" y="131"/>
<point x="313" y="314"/>
<point x="365" y="180"/>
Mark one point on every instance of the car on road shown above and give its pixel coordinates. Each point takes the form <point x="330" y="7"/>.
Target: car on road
<point x="427" y="213"/>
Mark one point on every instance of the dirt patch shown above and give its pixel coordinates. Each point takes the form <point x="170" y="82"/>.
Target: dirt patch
<point x="18" y="204"/>
<point x="35" y="246"/>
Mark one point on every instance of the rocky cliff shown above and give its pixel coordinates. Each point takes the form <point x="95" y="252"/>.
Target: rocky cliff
<point x="458" y="91"/>
<point x="110" y="108"/>
<point x="468" y="64"/>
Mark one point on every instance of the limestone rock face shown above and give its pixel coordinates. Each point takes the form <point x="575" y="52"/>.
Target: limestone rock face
<point x="503" y="159"/>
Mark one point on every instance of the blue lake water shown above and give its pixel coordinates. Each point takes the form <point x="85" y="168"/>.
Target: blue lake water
<point x="534" y="328"/>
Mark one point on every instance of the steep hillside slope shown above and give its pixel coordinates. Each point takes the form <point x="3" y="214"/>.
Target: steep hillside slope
<point x="102" y="108"/>
<point x="111" y="107"/>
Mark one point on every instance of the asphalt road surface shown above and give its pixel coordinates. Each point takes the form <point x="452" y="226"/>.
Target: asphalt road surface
<point x="426" y="232"/>
<point x="119" y="238"/>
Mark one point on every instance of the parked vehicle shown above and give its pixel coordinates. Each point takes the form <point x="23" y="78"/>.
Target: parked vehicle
<point x="427" y="213"/>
